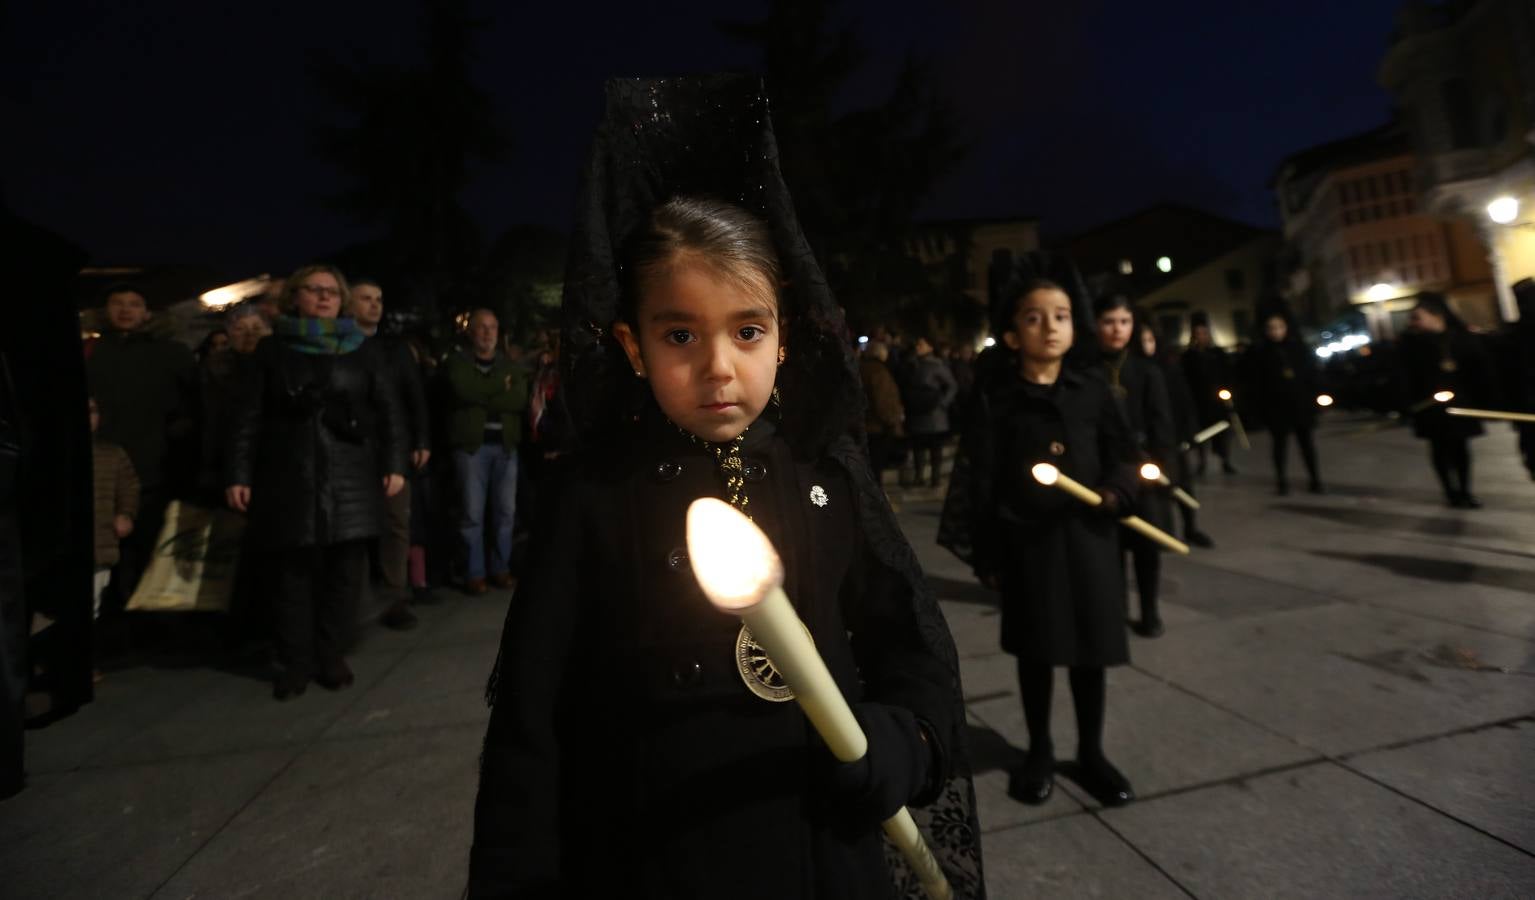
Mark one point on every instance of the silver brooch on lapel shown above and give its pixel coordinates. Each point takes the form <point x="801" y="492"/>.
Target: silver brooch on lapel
<point x="817" y="495"/>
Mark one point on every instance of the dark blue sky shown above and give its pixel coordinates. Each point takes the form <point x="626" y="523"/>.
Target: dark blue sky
<point x="179" y="131"/>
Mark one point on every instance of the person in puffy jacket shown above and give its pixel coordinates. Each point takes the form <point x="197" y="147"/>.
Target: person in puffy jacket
<point x="316" y="446"/>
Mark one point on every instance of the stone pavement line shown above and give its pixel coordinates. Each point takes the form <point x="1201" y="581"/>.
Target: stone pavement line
<point x="298" y="752"/>
<point x="1353" y="601"/>
<point x="1142" y="854"/>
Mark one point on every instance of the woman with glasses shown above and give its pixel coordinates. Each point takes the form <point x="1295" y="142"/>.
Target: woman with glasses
<point x="316" y="445"/>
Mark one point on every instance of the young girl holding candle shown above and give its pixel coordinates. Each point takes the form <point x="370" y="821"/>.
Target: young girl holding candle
<point x="1055" y="559"/>
<point x="1138" y="387"/>
<point x="640" y="743"/>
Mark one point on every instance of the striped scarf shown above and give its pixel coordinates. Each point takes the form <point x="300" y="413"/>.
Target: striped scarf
<point x="325" y="337"/>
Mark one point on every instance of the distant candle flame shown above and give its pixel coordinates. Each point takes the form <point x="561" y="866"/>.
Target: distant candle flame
<point x="1151" y="472"/>
<point x="1324" y="400"/>
<point x="1046" y="474"/>
<point x="1444" y="396"/>
<point x="1224" y="394"/>
<point x="733" y="560"/>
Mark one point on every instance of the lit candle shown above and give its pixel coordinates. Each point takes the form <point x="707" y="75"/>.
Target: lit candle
<point x="1324" y="400"/>
<point x="1049" y="475"/>
<point x="741" y="574"/>
<point x="1201" y="436"/>
<point x="1236" y="420"/>
<point x="1153" y="472"/>
<point x="1499" y="414"/>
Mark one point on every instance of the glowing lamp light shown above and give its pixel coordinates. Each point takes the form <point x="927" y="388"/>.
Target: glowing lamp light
<point x="1380" y="291"/>
<point x="1164" y="264"/>
<point x="1151" y="472"/>
<point x="230" y="294"/>
<point x="1224" y="394"/>
<point x="1324" y="352"/>
<point x="989" y="342"/>
<point x="1444" y="396"/>
<point x="863" y="339"/>
<point x="1324" y="400"/>
<point x="734" y="561"/>
<point x="1503" y="210"/>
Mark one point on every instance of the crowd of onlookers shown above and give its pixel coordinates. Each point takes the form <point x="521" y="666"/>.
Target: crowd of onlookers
<point x="367" y="465"/>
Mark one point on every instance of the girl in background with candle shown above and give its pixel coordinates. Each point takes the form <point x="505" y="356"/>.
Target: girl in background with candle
<point x="1055" y="559"/>
<point x="1284" y="374"/>
<point x="1440" y="354"/>
<point x="1137" y="386"/>
<point x="640" y="744"/>
<point x="1185" y="424"/>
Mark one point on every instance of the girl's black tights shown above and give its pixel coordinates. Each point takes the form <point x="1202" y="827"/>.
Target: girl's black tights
<point x="1148" y="577"/>
<point x="1452" y="463"/>
<point x="1281" y="437"/>
<point x="1037" y="684"/>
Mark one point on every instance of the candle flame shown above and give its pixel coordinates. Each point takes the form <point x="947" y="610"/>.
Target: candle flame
<point x="1324" y="400"/>
<point x="1046" y="474"/>
<point x="1224" y="394"/>
<point x="1151" y="471"/>
<point x="732" y="559"/>
<point x="1444" y="396"/>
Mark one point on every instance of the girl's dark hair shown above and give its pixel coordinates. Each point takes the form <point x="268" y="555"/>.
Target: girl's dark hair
<point x="1436" y="303"/>
<point x="1110" y="303"/>
<point x="1018" y="290"/>
<point x="1144" y="324"/>
<point x="724" y="237"/>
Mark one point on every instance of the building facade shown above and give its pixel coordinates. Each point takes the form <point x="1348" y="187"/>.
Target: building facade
<point x="1462" y="73"/>
<point x="1360" y="236"/>
<point x="959" y="253"/>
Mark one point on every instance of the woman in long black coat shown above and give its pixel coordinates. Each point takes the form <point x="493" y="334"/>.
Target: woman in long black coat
<point x="1439" y="354"/>
<point x="316" y="444"/>
<point x="1138" y="386"/>
<point x="1185" y="421"/>
<point x="1284" y="379"/>
<point x="1056" y="559"/>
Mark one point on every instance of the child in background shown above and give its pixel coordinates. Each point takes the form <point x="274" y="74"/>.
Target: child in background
<point x="1055" y="559"/>
<point x="117" y="502"/>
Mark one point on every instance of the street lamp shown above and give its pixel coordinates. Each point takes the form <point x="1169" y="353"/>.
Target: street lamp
<point x="1380" y="291"/>
<point x="1165" y="264"/>
<point x="1504" y="210"/>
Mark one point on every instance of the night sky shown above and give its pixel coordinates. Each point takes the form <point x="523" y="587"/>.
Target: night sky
<point x="179" y="132"/>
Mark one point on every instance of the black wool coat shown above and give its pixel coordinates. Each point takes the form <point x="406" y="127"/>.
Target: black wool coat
<point x="313" y="437"/>
<point x="1455" y="361"/>
<point x="1285" y="385"/>
<point x="1141" y="394"/>
<point x="625" y="756"/>
<point x="1057" y="558"/>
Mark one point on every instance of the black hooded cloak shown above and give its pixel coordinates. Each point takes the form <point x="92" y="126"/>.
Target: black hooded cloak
<point x="616" y="713"/>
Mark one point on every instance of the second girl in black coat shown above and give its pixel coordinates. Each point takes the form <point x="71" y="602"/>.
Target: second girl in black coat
<point x="1284" y="379"/>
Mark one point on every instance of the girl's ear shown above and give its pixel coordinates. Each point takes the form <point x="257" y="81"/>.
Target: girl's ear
<point x="631" y="345"/>
<point x="1011" y="339"/>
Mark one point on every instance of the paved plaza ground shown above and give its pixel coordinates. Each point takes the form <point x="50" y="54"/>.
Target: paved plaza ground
<point x="1343" y="706"/>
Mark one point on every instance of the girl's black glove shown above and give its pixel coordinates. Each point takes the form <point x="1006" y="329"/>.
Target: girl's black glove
<point x="894" y="770"/>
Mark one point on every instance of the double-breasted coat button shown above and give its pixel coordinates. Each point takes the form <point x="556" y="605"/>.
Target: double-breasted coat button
<point x="677" y="560"/>
<point x="1057" y="448"/>
<point x="754" y="470"/>
<point x="666" y="470"/>
<point x="687" y="674"/>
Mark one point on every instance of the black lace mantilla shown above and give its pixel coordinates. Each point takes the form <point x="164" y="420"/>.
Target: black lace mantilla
<point x="712" y="136"/>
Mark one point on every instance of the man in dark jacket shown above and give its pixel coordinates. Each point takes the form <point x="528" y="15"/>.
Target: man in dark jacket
<point x="927" y="394"/>
<point x="145" y="387"/>
<point x="403" y="375"/>
<point x="489" y="396"/>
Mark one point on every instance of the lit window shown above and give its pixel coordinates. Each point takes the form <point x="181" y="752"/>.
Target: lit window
<point x="1125" y="268"/>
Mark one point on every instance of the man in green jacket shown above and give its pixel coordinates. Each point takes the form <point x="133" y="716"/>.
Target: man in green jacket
<point x="489" y="394"/>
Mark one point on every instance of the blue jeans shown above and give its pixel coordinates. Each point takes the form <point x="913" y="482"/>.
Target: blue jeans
<point x="487" y="475"/>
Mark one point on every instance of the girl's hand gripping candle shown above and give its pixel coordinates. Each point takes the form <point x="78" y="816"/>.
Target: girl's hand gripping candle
<point x="1153" y="472"/>
<point x="1049" y="475"/>
<point x="740" y="573"/>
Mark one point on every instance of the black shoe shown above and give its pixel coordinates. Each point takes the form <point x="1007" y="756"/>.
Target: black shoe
<point x="1316" y="487"/>
<point x="1199" y="539"/>
<point x="1229" y="469"/>
<point x="1282" y="489"/>
<point x="1034" y="781"/>
<point x="288" y="685"/>
<point x="398" y="617"/>
<point x="424" y="596"/>
<point x="1148" y="628"/>
<point x="335" y="675"/>
<point x="1466" y="501"/>
<point x="1099" y="778"/>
